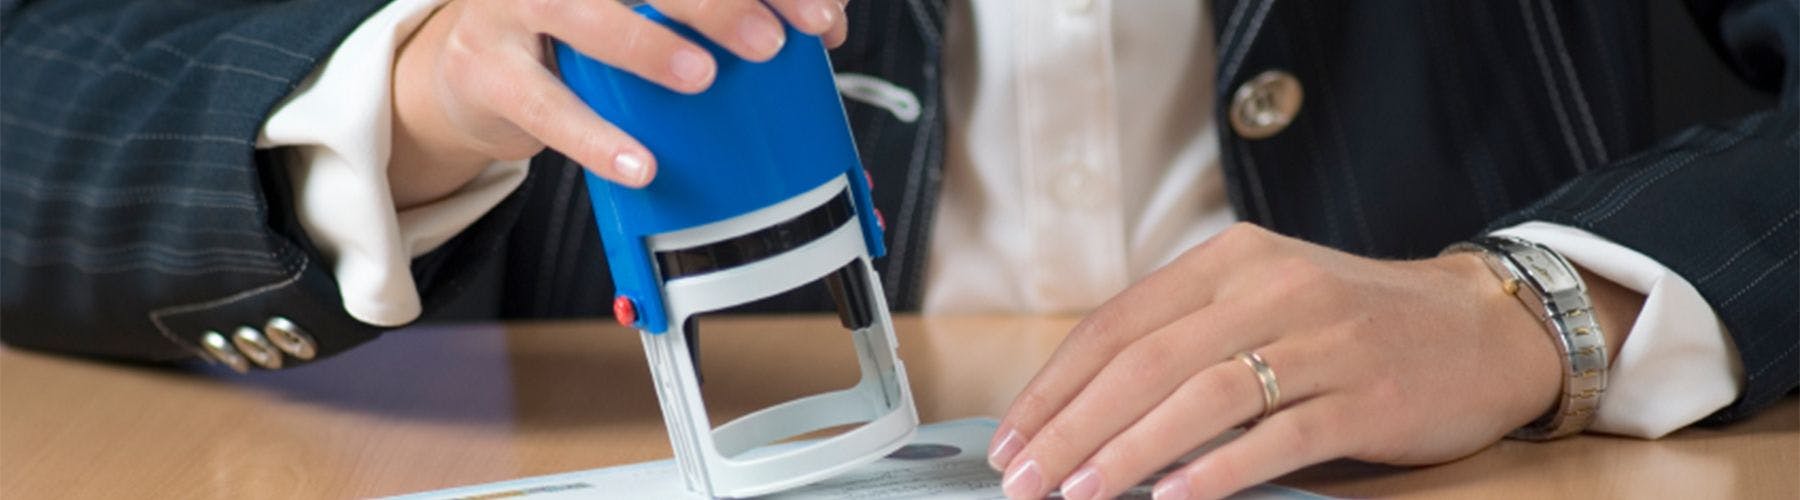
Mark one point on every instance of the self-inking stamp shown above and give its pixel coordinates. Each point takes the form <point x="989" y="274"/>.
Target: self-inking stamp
<point x="758" y="191"/>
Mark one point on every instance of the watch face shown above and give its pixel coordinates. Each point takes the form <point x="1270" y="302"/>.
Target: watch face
<point x="1549" y="273"/>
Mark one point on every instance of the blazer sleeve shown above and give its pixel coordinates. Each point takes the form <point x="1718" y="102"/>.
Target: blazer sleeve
<point x="1717" y="203"/>
<point x="138" y="214"/>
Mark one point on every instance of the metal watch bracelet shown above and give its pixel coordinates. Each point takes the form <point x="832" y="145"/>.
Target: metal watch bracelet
<point x="1552" y="290"/>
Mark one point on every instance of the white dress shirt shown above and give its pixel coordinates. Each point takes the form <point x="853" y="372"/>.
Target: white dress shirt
<point x="338" y="123"/>
<point x="1082" y="156"/>
<point x="1082" y="152"/>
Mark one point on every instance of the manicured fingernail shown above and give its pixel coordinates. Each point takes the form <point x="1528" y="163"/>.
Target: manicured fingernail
<point x="1003" y="452"/>
<point x="1085" y="484"/>
<point x="691" y="66"/>
<point x="1172" y="488"/>
<point x="1026" y="481"/>
<point x="632" y="167"/>
<point x="821" y="14"/>
<point x="762" y="35"/>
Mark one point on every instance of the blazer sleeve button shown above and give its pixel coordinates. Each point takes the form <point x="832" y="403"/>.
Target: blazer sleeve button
<point x="220" y="351"/>
<point x="254" y="346"/>
<point x="292" y="339"/>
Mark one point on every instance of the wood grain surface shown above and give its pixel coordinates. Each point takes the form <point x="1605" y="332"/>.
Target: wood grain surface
<point x="439" y="406"/>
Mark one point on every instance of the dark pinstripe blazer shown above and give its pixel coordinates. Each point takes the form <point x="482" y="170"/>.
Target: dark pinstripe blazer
<point x="138" y="213"/>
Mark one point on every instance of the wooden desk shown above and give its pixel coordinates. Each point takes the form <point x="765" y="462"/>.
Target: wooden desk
<point x="435" y="407"/>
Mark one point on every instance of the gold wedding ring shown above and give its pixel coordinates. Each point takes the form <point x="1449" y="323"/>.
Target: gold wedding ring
<point x="1271" y="392"/>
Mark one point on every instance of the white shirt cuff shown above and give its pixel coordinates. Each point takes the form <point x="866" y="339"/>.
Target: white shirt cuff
<point x="338" y="126"/>
<point x="1677" y="365"/>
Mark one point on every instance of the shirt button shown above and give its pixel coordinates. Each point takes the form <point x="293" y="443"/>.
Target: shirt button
<point x="1266" y="104"/>
<point x="1076" y="186"/>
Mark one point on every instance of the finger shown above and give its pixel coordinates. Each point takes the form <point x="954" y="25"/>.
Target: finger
<point x="533" y="100"/>
<point x="1131" y="384"/>
<point x="745" y="27"/>
<point x="1293" y="438"/>
<point x="613" y="34"/>
<point x="839" y="31"/>
<point x="1204" y="407"/>
<point x="812" y="17"/>
<point x="1171" y="292"/>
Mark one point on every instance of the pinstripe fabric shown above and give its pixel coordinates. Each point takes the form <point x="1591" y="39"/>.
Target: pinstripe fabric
<point x="1426" y="122"/>
<point x="1721" y="205"/>
<point x="137" y="212"/>
<point x="138" y="215"/>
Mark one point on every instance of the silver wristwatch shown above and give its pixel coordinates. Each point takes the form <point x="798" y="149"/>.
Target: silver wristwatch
<point x="1551" y="288"/>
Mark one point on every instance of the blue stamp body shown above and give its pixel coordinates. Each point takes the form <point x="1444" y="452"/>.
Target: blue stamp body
<point x="763" y="133"/>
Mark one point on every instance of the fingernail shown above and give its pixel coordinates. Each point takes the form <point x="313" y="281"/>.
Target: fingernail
<point x="1003" y="452"/>
<point x="631" y="166"/>
<point x="1024" y="482"/>
<point x="1085" y="484"/>
<point x="1172" y="488"/>
<point x="821" y="15"/>
<point x="762" y="35"/>
<point x="691" y="66"/>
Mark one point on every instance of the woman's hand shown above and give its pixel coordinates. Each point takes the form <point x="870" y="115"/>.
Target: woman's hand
<point x="472" y="85"/>
<point x="1401" y="362"/>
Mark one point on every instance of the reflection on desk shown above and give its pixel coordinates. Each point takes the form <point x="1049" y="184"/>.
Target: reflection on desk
<point x="439" y="406"/>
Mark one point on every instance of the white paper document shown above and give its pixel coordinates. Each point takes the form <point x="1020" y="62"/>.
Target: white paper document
<point x="947" y="460"/>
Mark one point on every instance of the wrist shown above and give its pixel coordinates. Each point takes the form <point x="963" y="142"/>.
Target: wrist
<point x="1552" y="288"/>
<point x="429" y="158"/>
<point x="1517" y="337"/>
<point x="1616" y="309"/>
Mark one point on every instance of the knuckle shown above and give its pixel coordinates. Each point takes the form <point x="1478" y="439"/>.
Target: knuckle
<point x="632" y="37"/>
<point x="1212" y="387"/>
<point x="1094" y="327"/>
<point x="1360" y="330"/>
<point x="1343" y="416"/>
<point x="686" y="11"/>
<point x="1242" y="233"/>
<point x="1346" y="337"/>
<point x="1290" y="275"/>
<point x="1124" y="453"/>
<point x="1298" y="436"/>
<point x="1345" y="340"/>
<point x="1227" y="470"/>
<point x="463" y="71"/>
<point x="1385" y="390"/>
<point x="1054" y="439"/>
<point x="1240" y="241"/>
<point x="1303" y="268"/>
<point x="533" y="106"/>
<point x="542" y="9"/>
<point x="596" y="145"/>
<point x="1327" y="293"/>
<point x="1145" y="361"/>
<point x="461" y="52"/>
<point x="1106" y="328"/>
<point x="1029" y="405"/>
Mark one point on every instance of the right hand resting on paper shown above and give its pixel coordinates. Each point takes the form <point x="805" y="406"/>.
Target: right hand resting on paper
<point x="472" y="85"/>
